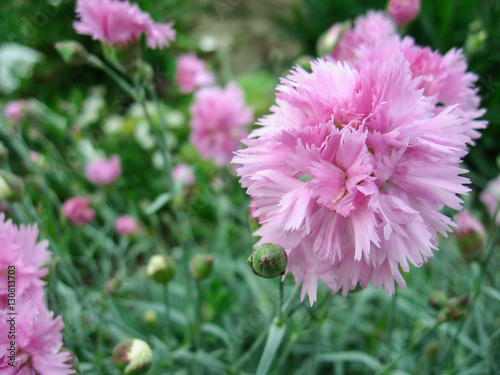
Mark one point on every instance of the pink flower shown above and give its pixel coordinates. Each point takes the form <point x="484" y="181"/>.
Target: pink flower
<point x="367" y="31"/>
<point x="444" y="79"/>
<point x="37" y="344"/>
<point x="25" y="257"/>
<point x="14" y="110"/>
<point x="403" y="11"/>
<point x="191" y="73"/>
<point x="350" y="173"/>
<point x="218" y="122"/>
<point x="126" y="225"/>
<point x="78" y="210"/>
<point x="183" y="174"/>
<point x="120" y="23"/>
<point x="105" y="171"/>
<point x="467" y="225"/>
<point x="491" y="197"/>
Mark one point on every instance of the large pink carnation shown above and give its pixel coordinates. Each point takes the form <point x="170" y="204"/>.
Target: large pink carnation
<point x="218" y="122"/>
<point x="20" y="249"/>
<point x="120" y="23"/>
<point x="37" y="344"/>
<point x="350" y="172"/>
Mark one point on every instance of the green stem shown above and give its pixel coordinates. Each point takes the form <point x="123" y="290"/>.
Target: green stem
<point x="166" y="331"/>
<point x="280" y="301"/>
<point x="197" y="327"/>
<point x="312" y="363"/>
<point x="98" y="63"/>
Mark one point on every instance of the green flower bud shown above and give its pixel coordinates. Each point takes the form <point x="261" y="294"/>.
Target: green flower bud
<point x="150" y="318"/>
<point x="133" y="357"/>
<point x="329" y="39"/>
<point x="11" y="186"/>
<point x="431" y="350"/>
<point x="201" y="266"/>
<point x="73" y="53"/>
<point x="161" y="268"/>
<point x="72" y="360"/>
<point x="268" y="261"/>
<point x="437" y="299"/>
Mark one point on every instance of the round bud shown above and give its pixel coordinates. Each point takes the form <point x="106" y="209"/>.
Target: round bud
<point x="73" y="53"/>
<point x="330" y="38"/>
<point x="431" y="350"/>
<point x="11" y="186"/>
<point x="150" y="318"/>
<point x="133" y="357"/>
<point x="201" y="266"/>
<point x="268" y="261"/>
<point x="437" y="299"/>
<point x="161" y="268"/>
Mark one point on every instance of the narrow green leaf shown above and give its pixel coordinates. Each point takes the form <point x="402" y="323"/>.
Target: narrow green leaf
<point x="274" y="338"/>
<point x="359" y="357"/>
<point x="158" y="203"/>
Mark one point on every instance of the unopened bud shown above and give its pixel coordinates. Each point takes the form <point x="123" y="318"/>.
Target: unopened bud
<point x="133" y="357"/>
<point x="455" y="309"/>
<point x="431" y="350"/>
<point x="470" y="234"/>
<point x="437" y="299"/>
<point x="150" y="318"/>
<point x="73" y="53"/>
<point x="329" y="39"/>
<point x="201" y="266"/>
<point x="268" y="260"/>
<point x="403" y="11"/>
<point x="142" y="70"/>
<point x="72" y="360"/>
<point x="161" y="268"/>
<point x="11" y="186"/>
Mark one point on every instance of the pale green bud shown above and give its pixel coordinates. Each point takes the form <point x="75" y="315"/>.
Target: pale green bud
<point x="161" y="268"/>
<point x="268" y="261"/>
<point x="133" y="357"/>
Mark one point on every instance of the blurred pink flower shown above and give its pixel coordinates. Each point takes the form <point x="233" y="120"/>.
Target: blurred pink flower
<point x="403" y="11"/>
<point x="467" y="225"/>
<point x="367" y="31"/>
<point x="120" y="23"/>
<point x="491" y="197"/>
<point x="20" y="249"/>
<point x="350" y="172"/>
<point x="183" y="174"/>
<point x="105" y="171"/>
<point x="218" y="122"/>
<point x="14" y="110"/>
<point x="37" y="344"/>
<point x="125" y="225"/>
<point x="78" y="210"/>
<point x="192" y="74"/>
